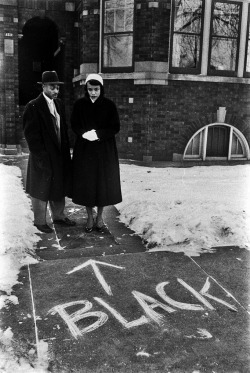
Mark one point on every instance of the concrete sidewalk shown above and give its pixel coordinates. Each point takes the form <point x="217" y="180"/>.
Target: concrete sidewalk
<point x="102" y="303"/>
<point x="133" y="312"/>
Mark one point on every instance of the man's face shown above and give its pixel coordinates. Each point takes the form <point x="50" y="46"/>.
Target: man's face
<point x="94" y="91"/>
<point x="51" y="90"/>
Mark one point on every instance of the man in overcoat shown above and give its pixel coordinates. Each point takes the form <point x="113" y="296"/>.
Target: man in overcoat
<point x="49" y="173"/>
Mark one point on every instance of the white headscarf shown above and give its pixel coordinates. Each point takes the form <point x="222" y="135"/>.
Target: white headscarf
<point x="94" y="77"/>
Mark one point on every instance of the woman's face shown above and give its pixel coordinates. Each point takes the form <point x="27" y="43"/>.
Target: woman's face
<point x="94" y="91"/>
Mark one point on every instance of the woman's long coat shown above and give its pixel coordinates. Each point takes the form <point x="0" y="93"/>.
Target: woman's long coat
<point x="49" y="173"/>
<point x="96" y="175"/>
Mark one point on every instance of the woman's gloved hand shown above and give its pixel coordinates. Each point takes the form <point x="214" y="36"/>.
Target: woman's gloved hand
<point x="90" y="135"/>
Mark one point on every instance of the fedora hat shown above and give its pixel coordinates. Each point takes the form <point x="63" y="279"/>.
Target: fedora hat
<point x="50" y="77"/>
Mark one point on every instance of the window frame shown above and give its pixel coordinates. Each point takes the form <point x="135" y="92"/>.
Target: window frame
<point x="117" y="69"/>
<point x="184" y="70"/>
<point x="211" y="72"/>
<point x="246" y="73"/>
<point x="202" y="156"/>
<point x="206" y="41"/>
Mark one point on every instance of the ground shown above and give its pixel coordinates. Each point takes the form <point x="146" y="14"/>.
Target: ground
<point x="104" y="303"/>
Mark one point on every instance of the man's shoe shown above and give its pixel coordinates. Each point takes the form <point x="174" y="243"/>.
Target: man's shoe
<point x="65" y="221"/>
<point x="43" y="228"/>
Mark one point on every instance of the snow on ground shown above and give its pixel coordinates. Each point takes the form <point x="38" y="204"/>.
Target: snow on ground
<point x="188" y="210"/>
<point x="17" y="239"/>
<point x="17" y="232"/>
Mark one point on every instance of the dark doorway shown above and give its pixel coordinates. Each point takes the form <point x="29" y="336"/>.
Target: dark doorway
<point x="218" y="141"/>
<point x="39" y="50"/>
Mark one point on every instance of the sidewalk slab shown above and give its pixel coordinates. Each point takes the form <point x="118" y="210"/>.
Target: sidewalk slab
<point x="230" y="267"/>
<point x="66" y="242"/>
<point x="214" y="338"/>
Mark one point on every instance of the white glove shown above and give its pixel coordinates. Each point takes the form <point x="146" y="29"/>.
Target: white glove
<point x="90" y="135"/>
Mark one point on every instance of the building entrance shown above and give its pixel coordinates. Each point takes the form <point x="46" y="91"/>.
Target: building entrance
<point x="39" y="50"/>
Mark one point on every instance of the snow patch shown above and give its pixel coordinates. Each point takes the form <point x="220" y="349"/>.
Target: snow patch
<point x="17" y="232"/>
<point x="190" y="210"/>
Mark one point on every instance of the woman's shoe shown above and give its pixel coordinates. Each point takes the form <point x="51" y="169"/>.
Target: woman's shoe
<point x="89" y="224"/>
<point x="101" y="229"/>
<point x="88" y="230"/>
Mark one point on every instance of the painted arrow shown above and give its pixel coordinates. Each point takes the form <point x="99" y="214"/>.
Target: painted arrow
<point x="98" y="274"/>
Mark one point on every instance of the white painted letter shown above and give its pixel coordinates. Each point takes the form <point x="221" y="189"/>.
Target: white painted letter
<point x="182" y="306"/>
<point x="144" y="299"/>
<point x="196" y="294"/>
<point x="142" y="320"/>
<point x="98" y="274"/>
<point x="204" y="291"/>
<point x="83" y="313"/>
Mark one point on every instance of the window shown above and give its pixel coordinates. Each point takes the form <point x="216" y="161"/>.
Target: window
<point x="247" y="66"/>
<point x="208" y="37"/>
<point x="217" y="141"/>
<point x="118" y="28"/>
<point x="186" y="41"/>
<point x="224" y="43"/>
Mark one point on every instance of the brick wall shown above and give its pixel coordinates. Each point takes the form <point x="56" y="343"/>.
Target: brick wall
<point x="13" y="17"/>
<point x="159" y="120"/>
<point x="156" y="119"/>
<point x="8" y="74"/>
<point x="89" y="42"/>
<point x="162" y="119"/>
<point x="151" y="30"/>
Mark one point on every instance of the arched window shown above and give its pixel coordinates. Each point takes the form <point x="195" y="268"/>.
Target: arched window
<point x="219" y="142"/>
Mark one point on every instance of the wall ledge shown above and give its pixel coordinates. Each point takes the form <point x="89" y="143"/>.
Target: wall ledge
<point x="152" y="72"/>
<point x="211" y="79"/>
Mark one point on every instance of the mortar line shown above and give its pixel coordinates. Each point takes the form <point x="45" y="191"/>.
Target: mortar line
<point x="221" y="286"/>
<point x="34" y="315"/>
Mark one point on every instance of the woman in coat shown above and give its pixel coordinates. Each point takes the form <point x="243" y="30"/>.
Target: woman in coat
<point x="96" y="175"/>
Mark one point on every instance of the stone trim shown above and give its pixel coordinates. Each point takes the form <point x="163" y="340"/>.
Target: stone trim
<point x="70" y="7"/>
<point x="9" y="2"/>
<point x="153" y="4"/>
<point x="88" y="68"/>
<point x="206" y="78"/>
<point x="154" y="72"/>
<point x="146" y="72"/>
<point x="9" y="149"/>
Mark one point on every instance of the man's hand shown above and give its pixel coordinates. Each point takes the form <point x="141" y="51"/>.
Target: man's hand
<point x="90" y="135"/>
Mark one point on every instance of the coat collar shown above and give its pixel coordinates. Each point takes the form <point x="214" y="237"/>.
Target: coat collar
<point x="96" y="103"/>
<point x="47" y="118"/>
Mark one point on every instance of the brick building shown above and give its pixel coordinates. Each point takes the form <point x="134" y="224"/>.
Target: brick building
<point x="35" y="35"/>
<point x="179" y="71"/>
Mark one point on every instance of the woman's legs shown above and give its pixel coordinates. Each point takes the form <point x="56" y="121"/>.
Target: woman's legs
<point x="90" y="220"/>
<point x="99" y="219"/>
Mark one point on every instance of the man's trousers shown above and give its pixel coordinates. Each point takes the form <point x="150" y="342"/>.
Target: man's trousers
<point x="40" y="210"/>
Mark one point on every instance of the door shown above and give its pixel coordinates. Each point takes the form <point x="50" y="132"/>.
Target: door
<point x="218" y="141"/>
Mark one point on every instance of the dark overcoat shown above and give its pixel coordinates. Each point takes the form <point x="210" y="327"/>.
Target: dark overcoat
<point x="49" y="173"/>
<point x="96" y="174"/>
